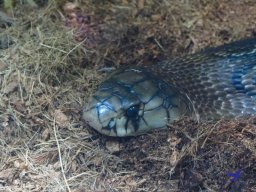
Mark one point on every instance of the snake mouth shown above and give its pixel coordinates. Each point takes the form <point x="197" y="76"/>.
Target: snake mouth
<point x="90" y="119"/>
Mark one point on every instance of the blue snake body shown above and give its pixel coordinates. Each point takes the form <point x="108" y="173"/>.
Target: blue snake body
<point x="215" y="83"/>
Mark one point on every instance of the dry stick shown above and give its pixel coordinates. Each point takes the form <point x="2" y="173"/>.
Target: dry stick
<point x="61" y="165"/>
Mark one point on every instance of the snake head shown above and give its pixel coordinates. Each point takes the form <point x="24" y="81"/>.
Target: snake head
<point x="131" y="102"/>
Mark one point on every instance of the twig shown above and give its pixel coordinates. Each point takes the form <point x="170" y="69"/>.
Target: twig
<point x="61" y="165"/>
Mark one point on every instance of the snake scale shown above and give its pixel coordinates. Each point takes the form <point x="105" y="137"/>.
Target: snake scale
<point x="215" y="83"/>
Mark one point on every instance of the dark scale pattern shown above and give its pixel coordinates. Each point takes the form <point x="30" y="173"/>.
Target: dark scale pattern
<point x="130" y="84"/>
<point x="126" y="94"/>
<point x="221" y="82"/>
<point x="215" y="83"/>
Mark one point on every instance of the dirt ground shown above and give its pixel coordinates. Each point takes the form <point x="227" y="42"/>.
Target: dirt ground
<point x="52" y="57"/>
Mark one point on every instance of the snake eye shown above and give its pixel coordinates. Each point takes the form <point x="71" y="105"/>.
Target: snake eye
<point x="133" y="111"/>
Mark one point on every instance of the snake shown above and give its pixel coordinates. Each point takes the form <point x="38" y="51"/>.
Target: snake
<point x="215" y="83"/>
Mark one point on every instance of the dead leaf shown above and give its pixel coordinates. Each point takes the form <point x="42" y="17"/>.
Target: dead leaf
<point x="141" y="4"/>
<point x="19" y="106"/>
<point x="61" y="119"/>
<point x="2" y="65"/>
<point x="46" y="134"/>
<point x="174" y="158"/>
<point x="11" y="87"/>
<point x="21" y="165"/>
<point x="8" y="175"/>
<point x="156" y="17"/>
<point x="113" y="146"/>
<point x="70" y="7"/>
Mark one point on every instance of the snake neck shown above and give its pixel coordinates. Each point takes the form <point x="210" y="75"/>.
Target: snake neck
<point x="220" y="82"/>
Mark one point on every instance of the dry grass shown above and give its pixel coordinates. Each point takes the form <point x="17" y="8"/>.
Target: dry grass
<point x="47" y="75"/>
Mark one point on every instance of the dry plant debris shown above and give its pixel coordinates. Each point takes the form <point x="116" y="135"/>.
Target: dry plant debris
<point x="53" y="56"/>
